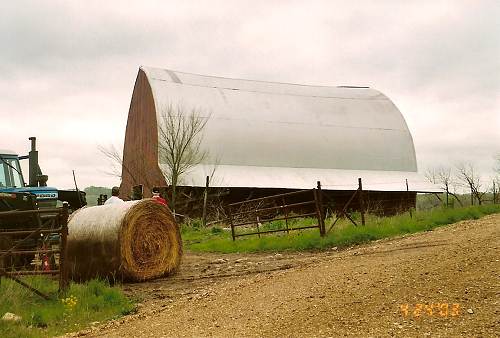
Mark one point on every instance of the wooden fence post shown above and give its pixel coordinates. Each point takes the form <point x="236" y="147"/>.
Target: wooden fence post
<point x="231" y="221"/>
<point x="63" y="252"/>
<point x="471" y="195"/>
<point x="361" y="201"/>
<point x="494" y="193"/>
<point x="285" y="209"/>
<point x="205" y="199"/>
<point x="408" y="197"/>
<point x="321" y="221"/>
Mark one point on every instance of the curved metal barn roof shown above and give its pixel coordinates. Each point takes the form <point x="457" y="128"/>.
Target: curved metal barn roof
<point x="278" y="135"/>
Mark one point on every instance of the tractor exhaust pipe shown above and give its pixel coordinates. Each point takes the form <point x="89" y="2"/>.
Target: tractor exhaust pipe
<point x="33" y="163"/>
<point x="36" y="177"/>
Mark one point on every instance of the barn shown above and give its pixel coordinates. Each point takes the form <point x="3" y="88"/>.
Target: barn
<point x="266" y="137"/>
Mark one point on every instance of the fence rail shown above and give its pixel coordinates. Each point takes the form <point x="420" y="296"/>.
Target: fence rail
<point x="307" y="203"/>
<point x="352" y="204"/>
<point x="32" y="243"/>
<point x="258" y="210"/>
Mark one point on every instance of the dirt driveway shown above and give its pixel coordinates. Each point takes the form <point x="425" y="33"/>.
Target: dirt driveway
<point x="444" y="283"/>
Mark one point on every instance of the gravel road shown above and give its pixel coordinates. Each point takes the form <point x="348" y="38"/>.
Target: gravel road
<point x="443" y="283"/>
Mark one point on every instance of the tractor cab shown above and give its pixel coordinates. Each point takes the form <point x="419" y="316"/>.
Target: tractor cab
<point x="10" y="170"/>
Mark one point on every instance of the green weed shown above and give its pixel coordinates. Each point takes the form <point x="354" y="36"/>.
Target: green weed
<point x="82" y="304"/>
<point x="343" y="234"/>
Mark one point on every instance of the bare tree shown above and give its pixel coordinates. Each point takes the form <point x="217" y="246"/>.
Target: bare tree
<point x="470" y="178"/>
<point x="179" y="143"/>
<point x="495" y="188"/>
<point x="443" y="177"/>
<point x="118" y="168"/>
<point x="115" y="160"/>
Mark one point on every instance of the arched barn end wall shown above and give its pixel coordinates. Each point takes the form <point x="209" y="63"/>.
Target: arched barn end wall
<point x="140" y="150"/>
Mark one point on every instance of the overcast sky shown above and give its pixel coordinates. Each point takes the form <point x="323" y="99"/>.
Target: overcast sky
<point x="67" y="68"/>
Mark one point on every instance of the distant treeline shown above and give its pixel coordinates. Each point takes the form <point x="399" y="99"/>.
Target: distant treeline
<point x="94" y="192"/>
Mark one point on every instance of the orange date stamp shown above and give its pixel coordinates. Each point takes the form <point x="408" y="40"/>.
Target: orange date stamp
<point x="419" y="310"/>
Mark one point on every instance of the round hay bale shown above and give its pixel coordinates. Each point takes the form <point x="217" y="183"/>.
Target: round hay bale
<point x="134" y="241"/>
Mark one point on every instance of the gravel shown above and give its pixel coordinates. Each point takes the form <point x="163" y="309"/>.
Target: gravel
<point x="443" y="283"/>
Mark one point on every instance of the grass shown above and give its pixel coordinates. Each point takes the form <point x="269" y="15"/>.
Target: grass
<point x="342" y="235"/>
<point x="81" y="305"/>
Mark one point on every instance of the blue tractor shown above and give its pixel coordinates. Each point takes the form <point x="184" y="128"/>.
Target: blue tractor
<point x="13" y="186"/>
